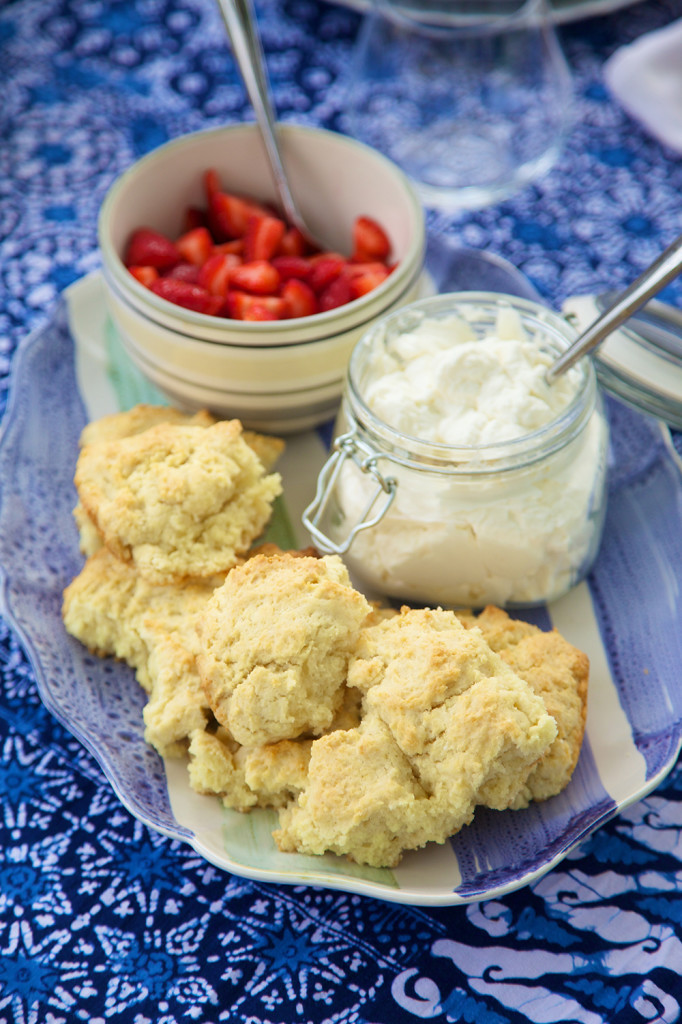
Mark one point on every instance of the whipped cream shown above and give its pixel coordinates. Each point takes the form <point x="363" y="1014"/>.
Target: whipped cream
<point x="512" y="537"/>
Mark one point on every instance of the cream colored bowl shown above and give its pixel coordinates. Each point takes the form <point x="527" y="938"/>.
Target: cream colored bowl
<point x="213" y="361"/>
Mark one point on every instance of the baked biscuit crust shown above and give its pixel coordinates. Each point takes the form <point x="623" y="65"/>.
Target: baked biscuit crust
<point x="177" y="501"/>
<point x="558" y="673"/>
<point x="275" y="644"/>
<point x="446" y="725"/>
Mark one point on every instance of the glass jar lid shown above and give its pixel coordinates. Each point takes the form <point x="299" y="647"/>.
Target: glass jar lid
<point x="641" y="363"/>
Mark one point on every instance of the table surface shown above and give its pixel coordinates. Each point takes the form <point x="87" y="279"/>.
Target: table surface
<point x="102" y="919"/>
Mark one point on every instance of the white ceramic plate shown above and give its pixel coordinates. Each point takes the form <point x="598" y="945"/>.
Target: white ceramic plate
<point x="627" y="620"/>
<point x="561" y="10"/>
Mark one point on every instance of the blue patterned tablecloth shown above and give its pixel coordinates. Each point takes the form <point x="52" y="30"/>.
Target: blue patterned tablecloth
<point x="104" y="920"/>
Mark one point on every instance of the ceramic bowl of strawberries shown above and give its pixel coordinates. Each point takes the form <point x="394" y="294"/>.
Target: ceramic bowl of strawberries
<point x="224" y="305"/>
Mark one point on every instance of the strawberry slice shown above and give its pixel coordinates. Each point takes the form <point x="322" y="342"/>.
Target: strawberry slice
<point x="229" y="215"/>
<point x="191" y="296"/>
<point x="292" y="266"/>
<point x="193" y="217"/>
<point x="195" y="246"/>
<point x="365" y="277"/>
<point x="145" y="275"/>
<point x="370" y="241"/>
<point x="293" y="243"/>
<point x="337" y="293"/>
<point x="236" y="246"/>
<point x="215" y="274"/>
<point x="149" y="248"/>
<point x="259" y="277"/>
<point x="262" y="238"/>
<point x="299" y="299"/>
<point x="242" y="306"/>
<point x="184" y="272"/>
<point x="325" y="267"/>
<point x="211" y="183"/>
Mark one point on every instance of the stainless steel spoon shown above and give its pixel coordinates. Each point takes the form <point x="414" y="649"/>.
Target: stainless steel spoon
<point x="657" y="276"/>
<point x="242" y="29"/>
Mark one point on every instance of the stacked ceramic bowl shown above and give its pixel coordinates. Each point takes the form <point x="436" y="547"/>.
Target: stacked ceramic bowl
<point x="279" y="375"/>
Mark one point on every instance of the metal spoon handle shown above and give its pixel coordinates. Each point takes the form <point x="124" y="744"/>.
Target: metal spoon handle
<point x="659" y="274"/>
<point x="240" y="21"/>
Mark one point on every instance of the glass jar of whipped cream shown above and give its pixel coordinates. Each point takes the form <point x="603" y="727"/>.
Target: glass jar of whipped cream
<point x="458" y="475"/>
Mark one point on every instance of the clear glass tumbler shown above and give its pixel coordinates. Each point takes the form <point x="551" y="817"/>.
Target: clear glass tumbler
<point x="470" y="97"/>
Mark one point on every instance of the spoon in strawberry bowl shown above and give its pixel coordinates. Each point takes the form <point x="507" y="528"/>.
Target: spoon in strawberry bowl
<point x="240" y="21"/>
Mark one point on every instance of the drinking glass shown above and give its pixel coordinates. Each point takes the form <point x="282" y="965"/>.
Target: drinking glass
<point x="470" y="97"/>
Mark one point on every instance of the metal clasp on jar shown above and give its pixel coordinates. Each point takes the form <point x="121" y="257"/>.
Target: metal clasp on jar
<point x="348" y="446"/>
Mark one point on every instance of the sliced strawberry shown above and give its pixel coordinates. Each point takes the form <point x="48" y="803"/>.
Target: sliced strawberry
<point x="292" y="266"/>
<point x="299" y="298"/>
<point x="336" y="293"/>
<point x="149" y="248"/>
<point x="191" y="296"/>
<point x="214" y="276"/>
<point x="259" y="277"/>
<point x="324" y="269"/>
<point x="195" y="246"/>
<point x="370" y="241"/>
<point x="229" y="215"/>
<point x="193" y="217"/>
<point x="211" y="183"/>
<point x="145" y="275"/>
<point x="235" y="246"/>
<point x="293" y="243"/>
<point x="262" y="238"/>
<point x="364" y="277"/>
<point x="184" y="272"/>
<point x="241" y="306"/>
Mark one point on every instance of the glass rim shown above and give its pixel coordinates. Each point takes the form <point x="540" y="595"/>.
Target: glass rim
<point x="466" y="16"/>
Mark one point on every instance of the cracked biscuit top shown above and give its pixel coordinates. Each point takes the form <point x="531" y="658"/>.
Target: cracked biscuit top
<point x="275" y="643"/>
<point x="177" y="501"/>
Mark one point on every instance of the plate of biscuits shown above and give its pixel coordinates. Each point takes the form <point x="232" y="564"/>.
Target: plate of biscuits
<point x="243" y="695"/>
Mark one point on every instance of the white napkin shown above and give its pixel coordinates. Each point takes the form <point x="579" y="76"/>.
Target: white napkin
<point x="646" y="79"/>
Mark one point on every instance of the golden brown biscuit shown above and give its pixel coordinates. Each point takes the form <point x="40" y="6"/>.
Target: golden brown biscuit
<point x="276" y="639"/>
<point x="557" y="672"/>
<point x="446" y="725"/>
<point x="113" y="610"/>
<point x="362" y="799"/>
<point x="177" y="706"/>
<point x="138" y="419"/>
<point x="177" y="501"/>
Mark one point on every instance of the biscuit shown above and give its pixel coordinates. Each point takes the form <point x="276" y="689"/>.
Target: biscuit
<point x="266" y="776"/>
<point x="177" y="705"/>
<point x="140" y="418"/>
<point x="112" y="610"/>
<point x="362" y="799"/>
<point x="446" y="725"/>
<point x="275" y="644"/>
<point x="557" y="672"/>
<point x="177" y="501"/>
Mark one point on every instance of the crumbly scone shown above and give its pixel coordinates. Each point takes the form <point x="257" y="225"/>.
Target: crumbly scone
<point x="447" y="725"/>
<point x="557" y="672"/>
<point x="178" y="501"/>
<point x="277" y="772"/>
<point x="138" y="419"/>
<point x="113" y="610"/>
<point x="362" y="799"/>
<point x="177" y="706"/>
<point x="267" y="776"/>
<point x="214" y="769"/>
<point x="275" y="644"/>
